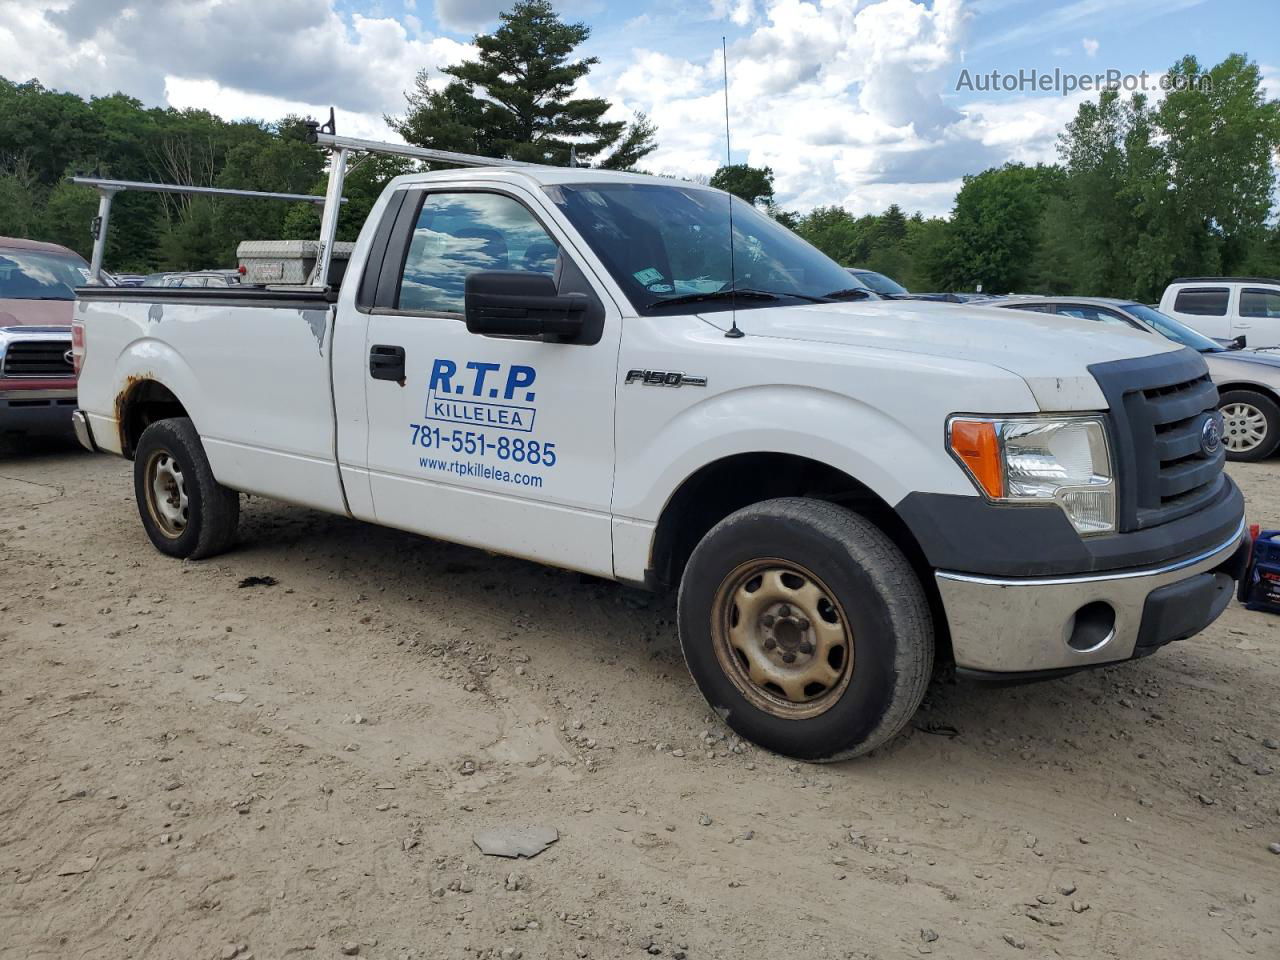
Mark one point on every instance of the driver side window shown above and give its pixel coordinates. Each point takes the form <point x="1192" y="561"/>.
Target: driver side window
<point x="457" y="234"/>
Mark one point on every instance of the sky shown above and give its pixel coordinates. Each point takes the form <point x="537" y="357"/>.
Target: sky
<point x="859" y="103"/>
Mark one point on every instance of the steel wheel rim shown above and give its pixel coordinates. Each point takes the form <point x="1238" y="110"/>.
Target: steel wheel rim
<point x="768" y="610"/>
<point x="166" y="494"/>
<point x="1244" y="427"/>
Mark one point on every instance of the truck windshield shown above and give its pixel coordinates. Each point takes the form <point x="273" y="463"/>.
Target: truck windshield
<point x="39" y="275"/>
<point x="671" y="243"/>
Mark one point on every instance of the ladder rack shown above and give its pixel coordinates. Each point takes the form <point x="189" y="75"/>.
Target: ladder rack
<point x="323" y="135"/>
<point x="107" y="190"/>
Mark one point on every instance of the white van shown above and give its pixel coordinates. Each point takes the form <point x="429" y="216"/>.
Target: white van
<point x="1227" y="307"/>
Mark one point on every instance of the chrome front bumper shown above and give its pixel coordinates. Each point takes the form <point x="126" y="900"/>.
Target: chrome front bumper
<point x="1034" y="624"/>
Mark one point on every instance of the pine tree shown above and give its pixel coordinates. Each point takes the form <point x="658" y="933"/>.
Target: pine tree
<point x="516" y="100"/>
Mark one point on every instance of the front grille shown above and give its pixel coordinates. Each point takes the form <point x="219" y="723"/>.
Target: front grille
<point x="38" y="358"/>
<point x="1159" y="406"/>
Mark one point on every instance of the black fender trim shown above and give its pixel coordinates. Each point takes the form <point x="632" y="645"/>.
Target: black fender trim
<point x="972" y="535"/>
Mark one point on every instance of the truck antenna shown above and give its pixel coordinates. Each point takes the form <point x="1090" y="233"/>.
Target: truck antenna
<point x="733" y="332"/>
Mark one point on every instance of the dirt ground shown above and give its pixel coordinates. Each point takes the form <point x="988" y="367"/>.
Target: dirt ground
<point x="400" y="694"/>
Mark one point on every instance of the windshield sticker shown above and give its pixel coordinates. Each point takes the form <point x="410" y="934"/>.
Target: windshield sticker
<point x="84" y="272"/>
<point x="648" y="275"/>
<point x="659" y="288"/>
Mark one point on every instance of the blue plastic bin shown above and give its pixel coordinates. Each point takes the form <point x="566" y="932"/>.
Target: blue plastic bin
<point x="1260" y="589"/>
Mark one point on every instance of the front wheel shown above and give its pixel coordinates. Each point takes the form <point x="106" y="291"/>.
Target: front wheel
<point x="184" y="510"/>
<point x="1250" y="425"/>
<point x="806" y="629"/>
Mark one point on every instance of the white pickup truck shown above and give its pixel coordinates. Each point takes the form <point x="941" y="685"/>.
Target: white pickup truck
<point x="1227" y="308"/>
<point x="578" y="367"/>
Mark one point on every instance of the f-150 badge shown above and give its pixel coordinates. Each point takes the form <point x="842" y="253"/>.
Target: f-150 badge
<point x="663" y="378"/>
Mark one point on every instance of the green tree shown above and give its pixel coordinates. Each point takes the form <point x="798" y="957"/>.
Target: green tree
<point x="835" y="232"/>
<point x="995" y="228"/>
<point x="1181" y="188"/>
<point x="1220" y="146"/>
<point x="752" y="184"/>
<point x="516" y="99"/>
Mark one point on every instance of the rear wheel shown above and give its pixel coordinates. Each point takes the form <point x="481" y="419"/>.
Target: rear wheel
<point x="184" y="510"/>
<point x="1250" y="425"/>
<point x="806" y="629"/>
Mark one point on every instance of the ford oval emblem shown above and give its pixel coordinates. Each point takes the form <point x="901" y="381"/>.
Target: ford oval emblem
<point x="1211" y="435"/>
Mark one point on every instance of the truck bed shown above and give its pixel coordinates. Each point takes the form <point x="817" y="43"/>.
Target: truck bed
<point x="251" y="366"/>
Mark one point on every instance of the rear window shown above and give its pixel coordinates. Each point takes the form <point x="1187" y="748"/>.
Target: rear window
<point x="1256" y="302"/>
<point x="40" y="275"/>
<point x="1202" y="301"/>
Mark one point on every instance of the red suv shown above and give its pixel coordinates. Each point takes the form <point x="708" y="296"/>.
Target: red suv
<point x="37" y="297"/>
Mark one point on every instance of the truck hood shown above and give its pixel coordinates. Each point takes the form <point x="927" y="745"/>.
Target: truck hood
<point x="39" y="313"/>
<point x="1050" y="353"/>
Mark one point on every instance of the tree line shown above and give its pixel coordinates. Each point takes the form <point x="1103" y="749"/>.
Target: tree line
<point x="1142" y="192"/>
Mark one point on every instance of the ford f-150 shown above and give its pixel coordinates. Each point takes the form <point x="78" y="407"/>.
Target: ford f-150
<point x="585" y="369"/>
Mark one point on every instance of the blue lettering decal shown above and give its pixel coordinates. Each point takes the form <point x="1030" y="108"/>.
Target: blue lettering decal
<point x="444" y="393"/>
<point x="518" y="377"/>
<point x="442" y="372"/>
<point x="481" y="370"/>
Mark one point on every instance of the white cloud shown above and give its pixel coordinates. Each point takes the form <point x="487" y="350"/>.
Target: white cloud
<point x="1090" y="46"/>
<point x="842" y="99"/>
<point x="738" y="12"/>
<point x="287" y="51"/>
<point x="849" y="101"/>
<point x="233" y="104"/>
<point x="469" y="15"/>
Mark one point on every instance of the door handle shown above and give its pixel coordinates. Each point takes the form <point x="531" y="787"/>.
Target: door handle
<point x="386" y="363"/>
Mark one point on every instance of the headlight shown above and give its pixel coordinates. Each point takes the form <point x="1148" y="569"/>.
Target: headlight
<point x="1039" y="460"/>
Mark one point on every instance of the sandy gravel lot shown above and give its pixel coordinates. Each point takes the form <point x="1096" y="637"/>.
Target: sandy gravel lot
<point x="400" y="694"/>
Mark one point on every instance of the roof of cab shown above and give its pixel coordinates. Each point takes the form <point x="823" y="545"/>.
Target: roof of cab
<point x="543" y="176"/>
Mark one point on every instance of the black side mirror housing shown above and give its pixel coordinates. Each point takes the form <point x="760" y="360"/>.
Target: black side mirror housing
<point x="518" y="303"/>
<point x="1240" y="342"/>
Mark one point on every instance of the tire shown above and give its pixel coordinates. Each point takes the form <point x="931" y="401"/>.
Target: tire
<point x="1251" y="425"/>
<point x="797" y="562"/>
<point x="184" y="510"/>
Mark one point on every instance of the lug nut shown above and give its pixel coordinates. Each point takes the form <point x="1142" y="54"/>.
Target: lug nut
<point x="803" y="623"/>
<point x="788" y="658"/>
<point x="769" y="620"/>
<point x="784" y="610"/>
<point x="805" y="647"/>
<point x="770" y="643"/>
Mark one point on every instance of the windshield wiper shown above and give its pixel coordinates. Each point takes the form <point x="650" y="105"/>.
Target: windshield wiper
<point x="750" y="293"/>
<point x="851" y="293"/>
<point x="715" y="295"/>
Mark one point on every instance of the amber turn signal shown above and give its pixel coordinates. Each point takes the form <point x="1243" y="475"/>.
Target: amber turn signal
<point x="975" y="443"/>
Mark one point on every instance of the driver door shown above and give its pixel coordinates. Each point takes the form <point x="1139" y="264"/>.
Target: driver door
<point x="498" y="442"/>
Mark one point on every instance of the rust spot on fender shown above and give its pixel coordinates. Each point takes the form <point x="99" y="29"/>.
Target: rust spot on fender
<point x="131" y="383"/>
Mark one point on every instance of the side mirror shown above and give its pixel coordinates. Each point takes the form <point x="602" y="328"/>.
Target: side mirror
<point x="1240" y="342"/>
<point x="518" y="303"/>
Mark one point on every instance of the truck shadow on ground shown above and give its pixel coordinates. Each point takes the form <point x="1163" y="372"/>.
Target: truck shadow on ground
<point x="20" y="447"/>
